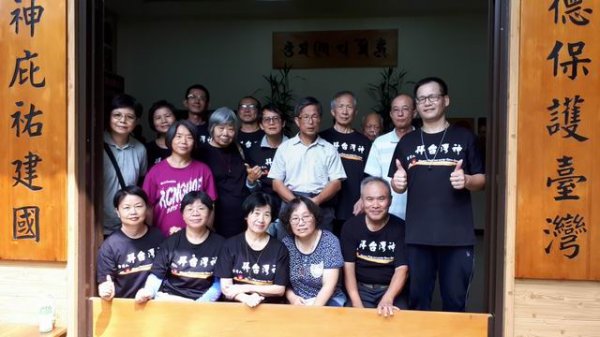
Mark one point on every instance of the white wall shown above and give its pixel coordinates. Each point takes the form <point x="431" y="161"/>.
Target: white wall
<point x="159" y="59"/>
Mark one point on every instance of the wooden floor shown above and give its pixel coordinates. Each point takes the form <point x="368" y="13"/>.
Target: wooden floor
<point x="122" y="317"/>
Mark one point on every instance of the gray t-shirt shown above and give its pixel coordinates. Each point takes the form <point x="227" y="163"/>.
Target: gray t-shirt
<point x="133" y="164"/>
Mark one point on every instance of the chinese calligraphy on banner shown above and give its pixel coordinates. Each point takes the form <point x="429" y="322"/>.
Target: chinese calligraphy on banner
<point x="558" y="191"/>
<point x="33" y="124"/>
<point x="336" y="49"/>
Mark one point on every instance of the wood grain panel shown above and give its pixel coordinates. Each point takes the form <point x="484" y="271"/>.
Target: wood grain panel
<point x="566" y="252"/>
<point x="33" y="208"/>
<point x="557" y="308"/>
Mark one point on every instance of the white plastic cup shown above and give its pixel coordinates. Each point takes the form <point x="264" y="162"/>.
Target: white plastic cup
<point x="46" y="314"/>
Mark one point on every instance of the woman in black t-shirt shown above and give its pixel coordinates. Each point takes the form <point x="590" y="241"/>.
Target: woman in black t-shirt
<point x="125" y="257"/>
<point x="253" y="266"/>
<point x="160" y="117"/>
<point x="184" y="265"/>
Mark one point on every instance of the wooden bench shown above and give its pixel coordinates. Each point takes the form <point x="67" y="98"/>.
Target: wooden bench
<point x="122" y="317"/>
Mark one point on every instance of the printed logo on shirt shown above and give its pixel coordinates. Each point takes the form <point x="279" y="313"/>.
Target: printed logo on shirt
<point x="137" y="262"/>
<point x="377" y="252"/>
<point x="170" y="198"/>
<point x="254" y="274"/>
<point x="193" y="267"/>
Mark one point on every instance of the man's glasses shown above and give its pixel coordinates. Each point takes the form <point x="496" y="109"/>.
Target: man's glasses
<point x="306" y="118"/>
<point x="269" y="120"/>
<point x="430" y="98"/>
<point x="248" y="106"/>
<point x="196" y="98"/>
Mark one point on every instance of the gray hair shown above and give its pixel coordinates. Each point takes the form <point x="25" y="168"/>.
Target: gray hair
<point x="223" y="116"/>
<point x="371" y="179"/>
<point x="340" y="94"/>
<point x="372" y="113"/>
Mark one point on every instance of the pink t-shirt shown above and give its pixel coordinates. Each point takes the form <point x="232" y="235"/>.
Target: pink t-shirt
<point x="166" y="186"/>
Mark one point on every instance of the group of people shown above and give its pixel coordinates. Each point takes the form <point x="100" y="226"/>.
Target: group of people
<point x="229" y="208"/>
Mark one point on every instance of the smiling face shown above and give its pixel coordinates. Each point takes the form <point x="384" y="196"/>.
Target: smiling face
<point x="259" y="219"/>
<point x="122" y="121"/>
<point x="271" y="123"/>
<point x="302" y="221"/>
<point x="163" y="118"/>
<point x="132" y="210"/>
<point x="431" y="103"/>
<point x="196" y="101"/>
<point x="344" y="111"/>
<point x="223" y="135"/>
<point x="183" y="142"/>
<point x="376" y="200"/>
<point x="196" y="215"/>
<point x="248" y="110"/>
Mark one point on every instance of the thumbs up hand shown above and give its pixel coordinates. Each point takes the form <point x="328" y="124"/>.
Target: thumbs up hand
<point x="400" y="178"/>
<point x="106" y="289"/>
<point x="458" y="179"/>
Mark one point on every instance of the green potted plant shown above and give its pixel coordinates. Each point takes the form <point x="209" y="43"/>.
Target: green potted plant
<point x="281" y="93"/>
<point x="383" y="91"/>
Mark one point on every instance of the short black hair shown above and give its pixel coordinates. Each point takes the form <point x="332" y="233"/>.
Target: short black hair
<point x="439" y="81"/>
<point x="307" y="101"/>
<point x="158" y="105"/>
<point x="123" y="101"/>
<point x="271" y="107"/>
<point x="129" y="190"/>
<point x="199" y="87"/>
<point x="257" y="199"/>
<point x="287" y="211"/>
<point x="258" y="105"/>
<point x="173" y="130"/>
<point x="192" y="196"/>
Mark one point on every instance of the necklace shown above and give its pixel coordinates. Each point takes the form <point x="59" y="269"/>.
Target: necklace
<point x="256" y="266"/>
<point x="437" y="150"/>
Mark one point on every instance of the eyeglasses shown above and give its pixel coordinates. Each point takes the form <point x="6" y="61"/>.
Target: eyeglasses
<point x="430" y="98"/>
<point x="269" y="120"/>
<point x="305" y="118"/>
<point x="119" y="116"/>
<point x="196" y="98"/>
<point x="248" y="106"/>
<point x="305" y="218"/>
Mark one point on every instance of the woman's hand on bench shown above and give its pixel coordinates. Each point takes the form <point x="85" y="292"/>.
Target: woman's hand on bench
<point x="106" y="289"/>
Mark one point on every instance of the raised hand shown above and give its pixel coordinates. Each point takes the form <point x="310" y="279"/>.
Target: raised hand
<point x="400" y="178"/>
<point x="106" y="289"/>
<point x="457" y="177"/>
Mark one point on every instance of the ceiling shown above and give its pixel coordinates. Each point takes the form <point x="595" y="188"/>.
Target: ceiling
<point x="288" y="9"/>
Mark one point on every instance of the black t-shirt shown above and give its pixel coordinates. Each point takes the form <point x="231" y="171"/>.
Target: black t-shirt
<point x="155" y="153"/>
<point x="263" y="156"/>
<point x="185" y="268"/>
<point x="353" y="149"/>
<point x="244" y="265"/>
<point x="203" y="134"/>
<point x="229" y="173"/>
<point x="376" y="254"/>
<point x="436" y="213"/>
<point x="128" y="261"/>
<point x="250" y="140"/>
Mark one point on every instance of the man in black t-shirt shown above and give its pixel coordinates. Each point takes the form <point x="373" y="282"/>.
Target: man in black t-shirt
<point x="353" y="148"/>
<point x="250" y="133"/>
<point x="196" y="102"/>
<point x="439" y="165"/>
<point x="375" y="262"/>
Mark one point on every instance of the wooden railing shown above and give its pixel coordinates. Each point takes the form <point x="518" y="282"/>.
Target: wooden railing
<point x="122" y="317"/>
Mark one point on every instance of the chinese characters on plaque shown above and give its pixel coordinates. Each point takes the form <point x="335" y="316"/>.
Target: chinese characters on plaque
<point x="334" y="49"/>
<point x="558" y="107"/>
<point x="34" y="117"/>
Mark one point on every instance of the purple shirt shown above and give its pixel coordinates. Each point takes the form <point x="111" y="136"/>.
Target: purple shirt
<point x="166" y="186"/>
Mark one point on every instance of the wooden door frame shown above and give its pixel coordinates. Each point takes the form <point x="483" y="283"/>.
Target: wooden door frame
<point x="89" y="122"/>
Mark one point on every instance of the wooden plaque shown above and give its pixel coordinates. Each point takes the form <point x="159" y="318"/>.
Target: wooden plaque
<point x="33" y="153"/>
<point x="558" y="187"/>
<point x="336" y="49"/>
